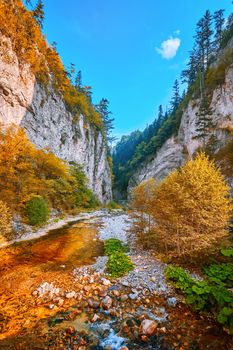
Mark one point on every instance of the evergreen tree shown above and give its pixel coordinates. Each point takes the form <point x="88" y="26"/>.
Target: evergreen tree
<point x="176" y="97"/>
<point x="189" y="74"/>
<point x="78" y="80"/>
<point x="208" y="32"/>
<point x="160" y="117"/>
<point x="219" y="27"/>
<point x="204" y="122"/>
<point x="103" y="109"/>
<point x="38" y="13"/>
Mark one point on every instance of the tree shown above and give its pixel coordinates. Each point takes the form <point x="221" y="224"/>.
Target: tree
<point x="142" y="205"/>
<point x="204" y="122"/>
<point x="175" y="97"/>
<point x="219" y="27"/>
<point x="208" y="32"/>
<point x="160" y="118"/>
<point x="78" y="80"/>
<point x="5" y="220"/>
<point x="103" y="109"/>
<point x="38" y="13"/>
<point x="192" y="207"/>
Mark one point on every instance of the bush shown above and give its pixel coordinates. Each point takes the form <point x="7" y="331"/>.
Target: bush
<point x="113" y="205"/>
<point x="119" y="264"/>
<point x="204" y="295"/>
<point x="5" y="220"/>
<point x="113" y="245"/>
<point x="227" y="252"/>
<point x="37" y="210"/>
<point x="221" y="274"/>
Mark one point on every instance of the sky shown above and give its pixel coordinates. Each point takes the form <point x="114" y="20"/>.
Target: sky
<point x="129" y="51"/>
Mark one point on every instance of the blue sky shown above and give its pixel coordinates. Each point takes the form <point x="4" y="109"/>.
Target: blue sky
<point x="115" y="42"/>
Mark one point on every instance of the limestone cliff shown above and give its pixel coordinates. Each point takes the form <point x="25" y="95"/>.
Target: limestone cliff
<point x="48" y="123"/>
<point x="177" y="149"/>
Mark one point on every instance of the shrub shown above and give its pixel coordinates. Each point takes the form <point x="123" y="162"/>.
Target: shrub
<point x="37" y="210"/>
<point x="227" y="252"/>
<point x="113" y="205"/>
<point x="203" y="295"/>
<point x="119" y="264"/>
<point x="5" y="220"/>
<point x="113" y="245"/>
<point x="221" y="274"/>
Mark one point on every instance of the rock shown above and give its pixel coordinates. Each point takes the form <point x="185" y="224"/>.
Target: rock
<point x="116" y="293"/>
<point x="106" y="282"/>
<point x="124" y="297"/>
<point x="144" y="338"/>
<point x="125" y="284"/>
<point x="153" y="279"/>
<point x="51" y="306"/>
<point x="70" y="330"/>
<point x="148" y="327"/>
<point x="172" y="301"/>
<point x="71" y="295"/>
<point x="133" y="296"/>
<point x="103" y="293"/>
<point x="106" y="303"/>
<point x="113" y="312"/>
<point x="94" y="318"/>
<point x="94" y="304"/>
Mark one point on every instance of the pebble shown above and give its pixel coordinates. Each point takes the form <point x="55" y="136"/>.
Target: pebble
<point x="106" y="303"/>
<point x="71" y="295"/>
<point x="106" y="282"/>
<point x="148" y="327"/>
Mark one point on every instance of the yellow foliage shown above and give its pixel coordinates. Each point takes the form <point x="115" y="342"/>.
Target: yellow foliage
<point x="18" y="24"/>
<point x="142" y="203"/>
<point x="5" y="220"/>
<point x="191" y="207"/>
<point x="26" y="171"/>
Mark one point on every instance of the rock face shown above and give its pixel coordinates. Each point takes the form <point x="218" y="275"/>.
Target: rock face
<point x="48" y="123"/>
<point x="177" y="150"/>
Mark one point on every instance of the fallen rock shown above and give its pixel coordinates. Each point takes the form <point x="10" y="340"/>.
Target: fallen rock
<point x="94" y="318"/>
<point x="124" y="297"/>
<point x="94" y="304"/>
<point x="133" y="296"/>
<point x="70" y="330"/>
<point x="71" y="295"/>
<point x="172" y="301"/>
<point x="148" y="327"/>
<point x="106" y="282"/>
<point x="106" y="303"/>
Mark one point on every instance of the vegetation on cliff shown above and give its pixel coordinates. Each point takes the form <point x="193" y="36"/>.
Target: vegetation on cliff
<point x="206" y="70"/>
<point x="29" y="176"/>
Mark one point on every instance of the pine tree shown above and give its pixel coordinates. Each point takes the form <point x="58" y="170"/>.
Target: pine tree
<point x="204" y="123"/>
<point x="176" y="97"/>
<point x="208" y="32"/>
<point x="219" y="26"/>
<point x="103" y="109"/>
<point x="38" y="13"/>
<point x="160" y="118"/>
<point x="78" y="80"/>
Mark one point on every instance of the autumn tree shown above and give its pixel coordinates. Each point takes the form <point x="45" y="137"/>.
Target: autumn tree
<point x="192" y="207"/>
<point x="5" y="220"/>
<point x="142" y="205"/>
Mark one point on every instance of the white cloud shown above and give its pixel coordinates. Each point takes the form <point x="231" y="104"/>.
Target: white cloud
<point x="169" y="48"/>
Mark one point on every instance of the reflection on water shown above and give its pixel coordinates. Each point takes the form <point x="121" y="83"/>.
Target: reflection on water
<point x="71" y="246"/>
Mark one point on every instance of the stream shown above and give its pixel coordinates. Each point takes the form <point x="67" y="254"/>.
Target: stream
<point x="53" y="294"/>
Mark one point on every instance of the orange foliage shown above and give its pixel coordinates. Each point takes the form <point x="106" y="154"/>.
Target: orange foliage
<point x="31" y="47"/>
<point x="26" y="171"/>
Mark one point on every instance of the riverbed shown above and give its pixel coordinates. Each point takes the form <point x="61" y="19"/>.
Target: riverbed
<point x="53" y="289"/>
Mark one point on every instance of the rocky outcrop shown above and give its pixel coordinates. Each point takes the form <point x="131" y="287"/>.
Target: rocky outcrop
<point x="43" y="114"/>
<point x="176" y="150"/>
